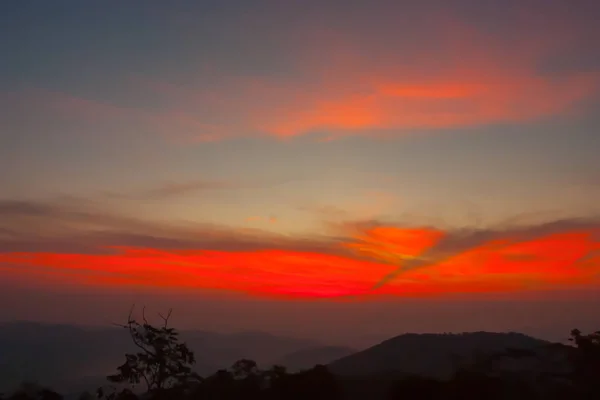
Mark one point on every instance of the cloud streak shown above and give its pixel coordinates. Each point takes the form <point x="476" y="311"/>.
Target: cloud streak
<point x="175" y="189"/>
<point x="78" y="227"/>
<point x="367" y="260"/>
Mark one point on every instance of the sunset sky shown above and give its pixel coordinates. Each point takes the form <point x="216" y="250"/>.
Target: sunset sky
<point x="371" y="167"/>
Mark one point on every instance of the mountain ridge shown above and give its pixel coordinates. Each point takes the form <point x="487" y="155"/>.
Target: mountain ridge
<point x="436" y="355"/>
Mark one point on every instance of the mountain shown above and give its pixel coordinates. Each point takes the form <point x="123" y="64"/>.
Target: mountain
<point x="308" y="358"/>
<point x="224" y="349"/>
<point x="71" y="359"/>
<point x="65" y="357"/>
<point x="433" y="355"/>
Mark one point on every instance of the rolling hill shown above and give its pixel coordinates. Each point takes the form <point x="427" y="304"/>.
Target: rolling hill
<point x="433" y="355"/>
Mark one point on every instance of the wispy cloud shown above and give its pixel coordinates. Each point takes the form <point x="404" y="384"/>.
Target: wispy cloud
<point x="174" y="189"/>
<point x="171" y="189"/>
<point x="452" y="74"/>
<point x="257" y="218"/>
<point x="74" y="227"/>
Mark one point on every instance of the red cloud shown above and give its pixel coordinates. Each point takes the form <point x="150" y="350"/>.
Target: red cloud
<point x="500" y="264"/>
<point x="268" y="272"/>
<point x="548" y="262"/>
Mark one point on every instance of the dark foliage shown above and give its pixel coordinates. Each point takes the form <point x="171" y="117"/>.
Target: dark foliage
<point x="162" y="362"/>
<point x="586" y="362"/>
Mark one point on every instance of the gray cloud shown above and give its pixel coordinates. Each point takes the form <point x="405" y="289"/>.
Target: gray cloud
<point x="175" y="189"/>
<point x="55" y="227"/>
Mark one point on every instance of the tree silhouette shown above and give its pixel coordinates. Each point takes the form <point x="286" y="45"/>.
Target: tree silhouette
<point x="33" y="391"/>
<point x="162" y="362"/>
<point x="249" y="379"/>
<point x="277" y="382"/>
<point x="244" y="368"/>
<point x="586" y="363"/>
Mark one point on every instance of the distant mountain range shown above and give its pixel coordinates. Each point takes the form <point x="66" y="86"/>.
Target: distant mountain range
<point x="308" y="358"/>
<point x="73" y="359"/>
<point x="68" y="357"/>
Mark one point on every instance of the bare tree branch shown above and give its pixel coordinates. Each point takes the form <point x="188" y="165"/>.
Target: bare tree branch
<point x="129" y="318"/>
<point x="144" y="316"/>
<point x="166" y="319"/>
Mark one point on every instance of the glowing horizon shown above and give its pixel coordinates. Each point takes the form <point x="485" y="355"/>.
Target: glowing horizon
<point x="369" y="262"/>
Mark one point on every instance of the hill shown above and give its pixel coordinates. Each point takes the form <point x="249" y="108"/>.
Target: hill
<point x="431" y="355"/>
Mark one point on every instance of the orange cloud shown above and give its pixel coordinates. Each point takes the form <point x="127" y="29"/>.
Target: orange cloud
<point x="484" y="80"/>
<point x="394" y="244"/>
<point x="453" y="75"/>
<point x="547" y="262"/>
<point x="456" y="101"/>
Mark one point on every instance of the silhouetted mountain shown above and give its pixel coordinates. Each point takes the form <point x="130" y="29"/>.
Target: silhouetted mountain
<point x="67" y="357"/>
<point x="431" y="355"/>
<point x="308" y="358"/>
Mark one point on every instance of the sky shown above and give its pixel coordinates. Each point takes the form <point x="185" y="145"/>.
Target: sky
<point x="330" y="169"/>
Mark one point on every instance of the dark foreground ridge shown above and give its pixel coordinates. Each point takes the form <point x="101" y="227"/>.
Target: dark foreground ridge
<point x="159" y="365"/>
